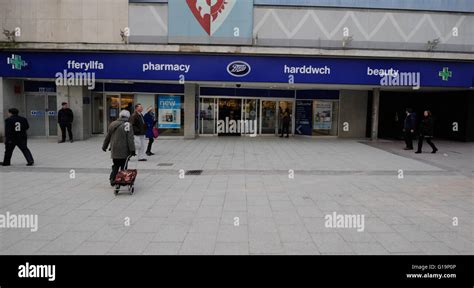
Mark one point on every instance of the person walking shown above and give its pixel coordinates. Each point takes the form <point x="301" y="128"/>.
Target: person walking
<point x="122" y="145"/>
<point x="139" y="129"/>
<point x="150" y="122"/>
<point x="286" y="120"/>
<point x="409" y="127"/>
<point x="65" y="118"/>
<point x="426" y="132"/>
<point x="15" y="135"/>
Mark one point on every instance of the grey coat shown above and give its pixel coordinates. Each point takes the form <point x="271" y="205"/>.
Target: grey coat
<point x="120" y="140"/>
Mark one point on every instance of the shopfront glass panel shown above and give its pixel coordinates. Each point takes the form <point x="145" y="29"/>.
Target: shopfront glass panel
<point x="207" y="117"/>
<point x="269" y="119"/>
<point x="250" y="115"/>
<point x="97" y="113"/>
<point x="52" y="115"/>
<point x="230" y="114"/>
<point x="325" y="117"/>
<point x="113" y="108"/>
<point x="35" y="114"/>
<point x="171" y="115"/>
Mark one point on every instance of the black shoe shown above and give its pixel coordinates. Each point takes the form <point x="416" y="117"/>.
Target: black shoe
<point x="150" y="154"/>
<point x="142" y="160"/>
<point x="71" y="141"/>
<point x="417" y="152"/>
<point x="287" y="136"/>
<point x="4" y="164"/>
<point x="407" y="148"/>
<point x="434" y="151"/>
<point x="30" y="164"/>
<point x="281" y="136"/>
<point x="62" y="141"/>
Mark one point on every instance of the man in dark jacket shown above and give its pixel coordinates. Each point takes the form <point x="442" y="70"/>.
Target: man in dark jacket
<point x="139" y="129"/>
<point x="286" y="120"/>
<point x="120" y="138"/>
<point x="409" y="128"/>
<point x="15" y="135"/>
<point x="426" y="132"/>
<point x="65" y="118"/>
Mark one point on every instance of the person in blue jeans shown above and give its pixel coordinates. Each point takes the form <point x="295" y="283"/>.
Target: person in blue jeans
<point x="150" y="122"/>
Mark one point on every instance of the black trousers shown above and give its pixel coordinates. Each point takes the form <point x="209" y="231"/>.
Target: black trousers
<point x="409" y="139"/>
<point x="150" y="143"/>
<point x="65" y="126"/>
<point x="428" y="140"/>
<point x="22" y="145"/>
<point x="285" y="129"/>
<point x="119" y="164"/>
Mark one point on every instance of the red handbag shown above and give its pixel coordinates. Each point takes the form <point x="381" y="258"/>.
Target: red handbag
<point x="155" y="132"/>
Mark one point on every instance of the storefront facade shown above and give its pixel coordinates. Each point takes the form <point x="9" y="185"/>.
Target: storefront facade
<point x="334" y="66"/>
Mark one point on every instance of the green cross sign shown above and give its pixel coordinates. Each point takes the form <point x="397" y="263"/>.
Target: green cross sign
<point x="16" y="62"/>
<point x="445" y="74"/>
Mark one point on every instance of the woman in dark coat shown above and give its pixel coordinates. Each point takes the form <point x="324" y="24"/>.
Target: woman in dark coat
<point x="150" y="122"/>
<point x="426" y="132"/>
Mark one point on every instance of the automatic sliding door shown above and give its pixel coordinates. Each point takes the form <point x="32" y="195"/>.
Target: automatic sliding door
<point x="208" y="116"/>
<point x="230" y="114"/>
<point x="269" y="120"/>
<point x="250" y="116"/>
<point x="35" y="113"/>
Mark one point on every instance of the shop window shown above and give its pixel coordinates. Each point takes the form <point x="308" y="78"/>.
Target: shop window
<point x="325" y="117"/>
<point x="170" y="115"/>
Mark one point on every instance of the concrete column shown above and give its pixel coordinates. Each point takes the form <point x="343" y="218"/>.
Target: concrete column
<point x="375" y="114"/>
<point x="352" y="114"/>
<point x="190" y="93"/>
<point x="78" y="98"/>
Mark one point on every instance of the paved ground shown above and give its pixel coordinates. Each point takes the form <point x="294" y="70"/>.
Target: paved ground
<point x="244" y="202"/>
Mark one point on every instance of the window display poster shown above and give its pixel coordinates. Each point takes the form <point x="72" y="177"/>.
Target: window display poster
<point x="169" y="112"/>
<point x="323" y="115"/>
<point x="304" y="110"/>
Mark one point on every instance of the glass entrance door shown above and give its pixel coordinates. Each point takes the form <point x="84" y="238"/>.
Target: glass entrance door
<point x="41" y="113"/>
<point x="250" y="117"/>
<point x="268" y="117"/>
<point x="230" y="114"/>
<point x="207" y="118"/>
<point x="97" y="113"/>
<point x="284" y="106"/>
<point x="116" y="103"/>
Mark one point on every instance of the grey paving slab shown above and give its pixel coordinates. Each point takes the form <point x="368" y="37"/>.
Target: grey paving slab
<point x="231" y="248"/>
<point x="162" y="248"/>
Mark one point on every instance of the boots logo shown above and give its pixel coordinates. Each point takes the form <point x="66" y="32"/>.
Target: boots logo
<point x="211" y="14"/>
<point x="16" y="62"/>
<point x="238" y="68"/>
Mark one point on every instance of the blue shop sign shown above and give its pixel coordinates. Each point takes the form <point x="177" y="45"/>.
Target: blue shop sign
<point x="239" y="69"/>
